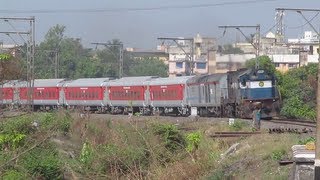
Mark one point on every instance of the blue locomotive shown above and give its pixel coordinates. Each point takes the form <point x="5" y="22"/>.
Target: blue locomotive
<point x="234" y="94"/>
<point x="250" y="88"/>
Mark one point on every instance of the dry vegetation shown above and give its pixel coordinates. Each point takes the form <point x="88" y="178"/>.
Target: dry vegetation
<point x="73" y="147"/>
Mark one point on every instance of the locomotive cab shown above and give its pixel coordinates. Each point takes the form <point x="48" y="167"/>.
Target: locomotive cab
<point x="248" y="87"/>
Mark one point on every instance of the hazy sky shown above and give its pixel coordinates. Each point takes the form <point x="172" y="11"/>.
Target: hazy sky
<point x="140" y="28"/>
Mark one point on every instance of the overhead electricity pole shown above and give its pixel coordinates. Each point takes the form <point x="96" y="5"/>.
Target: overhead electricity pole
<point x="280" y="26"/>
<point x="189" y="55"/>
<point x="30" y="53"/>
<point x="255" y="44"/>
<point x="120" y="46"/>
<point x="54" y="54"/>
<point x="317" y="153"/>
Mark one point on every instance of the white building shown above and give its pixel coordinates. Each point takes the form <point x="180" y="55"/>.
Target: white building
<point x="180" y="56"/>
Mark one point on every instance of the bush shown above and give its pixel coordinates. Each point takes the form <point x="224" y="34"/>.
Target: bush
<point x="237" y="125"/>
<point x="307" y="140"/>
<point x="44" y="162"/>
<point x="123" y="159"/>
<point x="13" y="175"/>
<point x="86" y="153"/>
<point x="278" y="154"/>
<point x="11" y="140"/>
<point x="22" y="124"/>
<point x="193" y="141"/>
<point x="60" y="121"/>
<point x="171" y="136"/>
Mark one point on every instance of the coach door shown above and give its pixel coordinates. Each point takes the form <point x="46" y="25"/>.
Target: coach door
<point x="61" y="96"/>
<point x="208" y="97"/>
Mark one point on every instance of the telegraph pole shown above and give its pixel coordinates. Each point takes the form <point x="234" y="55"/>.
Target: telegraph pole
<point x="120" y="46"/>
<point x="317" y="153"/>
<point x="255" y="44"/>
<point x="54" y="55"/>
<point x="30" y="53"/>
<point x="189" y="55"/>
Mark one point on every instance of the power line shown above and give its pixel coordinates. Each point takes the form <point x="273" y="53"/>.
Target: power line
<point x="310" y="20"/>
<point x="115" y="10"/>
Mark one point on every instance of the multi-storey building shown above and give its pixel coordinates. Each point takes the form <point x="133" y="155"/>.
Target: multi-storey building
<point x="193" y="56"/>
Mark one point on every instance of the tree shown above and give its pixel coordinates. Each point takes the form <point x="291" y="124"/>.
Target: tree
<point x="148" y="67"/>
<point x="298" y="89"/>
<point x="70" y="53"/>
<point x="229" y="49"/>
<point x="9" y="67"/>
<point x="264" y="63"/>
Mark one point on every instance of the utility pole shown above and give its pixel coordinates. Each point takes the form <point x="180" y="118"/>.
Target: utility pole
<point x="189" y="55"/>
<point x="56" y="64"/>
<point x="255" y="44"/>
<point x="30" y="33"/>
<point x="317" y="153"/>
<point x="280" y="26"/>
<point x="120" y="46"/>
<point x="54" y="54"/>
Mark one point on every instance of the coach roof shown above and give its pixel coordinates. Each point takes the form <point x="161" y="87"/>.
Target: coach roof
<point x="87" y="82"/>
<point x="41" y="83"/>
<point x="131" y="81"/>
<point x="206" y="78"/>
<point x="170" y="80"/>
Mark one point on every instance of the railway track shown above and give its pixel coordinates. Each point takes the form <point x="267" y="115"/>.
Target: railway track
<point x="294" y="122"/>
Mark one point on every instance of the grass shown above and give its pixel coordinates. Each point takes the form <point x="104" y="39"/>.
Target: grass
<point x="104" y="147"/>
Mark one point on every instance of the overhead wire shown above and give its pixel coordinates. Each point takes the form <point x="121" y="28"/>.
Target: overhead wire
<point x="309" y="21"/>
<point x="46" y="11"/>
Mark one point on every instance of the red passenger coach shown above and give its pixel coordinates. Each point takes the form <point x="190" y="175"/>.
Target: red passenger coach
<point x="168" y="95"/>
<point x="45" y="93"/>
<point x="6" y="94"/>
<point x="87" y="93"/>
<point x="167" y="92"/>
<point x="129" y="94"/>
<point x="7" y="91"/>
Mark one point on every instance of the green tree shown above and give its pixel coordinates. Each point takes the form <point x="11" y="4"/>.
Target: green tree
<point x="148" y="67"/>
<point x="298" y="89"/>
<point x="10" y="67"/>
<point x="70" y="53"/>
<point x="229" y="49"/>
<point x="264" y="62"/>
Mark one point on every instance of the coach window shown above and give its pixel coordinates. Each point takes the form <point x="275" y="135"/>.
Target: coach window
<point x="201" y="65"/>
<point x="179" y="65"/>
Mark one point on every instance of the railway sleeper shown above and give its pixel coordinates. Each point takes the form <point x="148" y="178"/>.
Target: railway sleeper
<point x="289" y="130"/>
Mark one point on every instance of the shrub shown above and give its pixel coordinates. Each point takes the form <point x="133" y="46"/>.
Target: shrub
<point x="123" y="159"/>
<point x="307" y="140"/>
<point x="237" y="125"/>
<point x="171" y="136"/>
<point x="11" y="140"/>
<point x="278" y="154"/>
<point x="13" y="175"/>
<point x="193" y="141"/>
<point x="22" y="124"/>
<point x="44" y="162"/>
<point x="86" y="153"/>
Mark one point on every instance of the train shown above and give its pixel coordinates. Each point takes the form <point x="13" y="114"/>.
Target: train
<point x="231" y="94"/>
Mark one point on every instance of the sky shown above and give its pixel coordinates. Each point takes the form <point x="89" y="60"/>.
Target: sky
<point x="138" y="23"/>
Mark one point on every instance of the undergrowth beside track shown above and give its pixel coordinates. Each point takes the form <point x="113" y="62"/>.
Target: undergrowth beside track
<point x="66" y="146"/>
